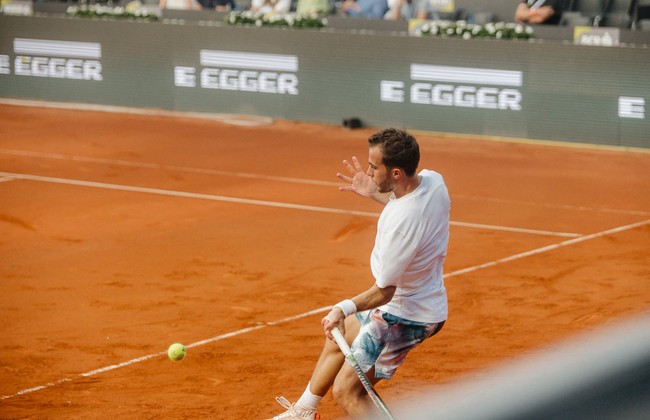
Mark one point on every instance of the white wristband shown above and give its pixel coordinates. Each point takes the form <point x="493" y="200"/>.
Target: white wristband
<point x="347" y="306"/>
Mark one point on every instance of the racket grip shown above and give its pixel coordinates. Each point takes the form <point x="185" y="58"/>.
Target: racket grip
<point x="340" y="340"/>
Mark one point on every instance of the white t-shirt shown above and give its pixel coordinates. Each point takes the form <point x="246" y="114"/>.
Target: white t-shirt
<point x="410" y="249"/>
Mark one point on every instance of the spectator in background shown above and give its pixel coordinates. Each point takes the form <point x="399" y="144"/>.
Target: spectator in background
<point x="410" y="9"/>
<point x="178" y="4"/>
<point x="539" y="12"/>
<point x="278" y="7"/>
<point x="370" y="9"/>
<point x="313" y="7"/>
<point x="218" y="5"/>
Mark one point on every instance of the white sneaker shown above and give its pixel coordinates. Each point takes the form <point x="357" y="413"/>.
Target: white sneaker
<point x="295" y="412"/>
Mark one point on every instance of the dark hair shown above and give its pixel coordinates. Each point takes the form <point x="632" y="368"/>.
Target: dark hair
<point x="399" y="149"/>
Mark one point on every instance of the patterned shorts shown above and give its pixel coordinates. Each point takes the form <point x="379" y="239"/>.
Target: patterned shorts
<point x="384" y="340"/>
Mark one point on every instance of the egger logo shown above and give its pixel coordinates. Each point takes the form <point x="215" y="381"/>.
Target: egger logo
<point x="56" y="59"/>
<point x="239" y="71"/>
<point x="457" y="86"/>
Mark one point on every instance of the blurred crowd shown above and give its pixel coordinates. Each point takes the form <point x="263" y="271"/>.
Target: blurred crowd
<point x="528" y="11"/>
<point x="370" y="9"/>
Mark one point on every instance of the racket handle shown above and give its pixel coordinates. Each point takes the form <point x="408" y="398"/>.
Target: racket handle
<point x="340" y="340"/>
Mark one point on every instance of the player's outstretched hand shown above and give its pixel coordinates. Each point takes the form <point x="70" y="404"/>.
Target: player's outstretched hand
<point x="360" y="182"/>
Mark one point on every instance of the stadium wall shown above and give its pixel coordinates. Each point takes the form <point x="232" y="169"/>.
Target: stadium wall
<point x="537" y="90"/>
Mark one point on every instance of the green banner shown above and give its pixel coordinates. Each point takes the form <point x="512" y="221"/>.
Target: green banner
<point x="518" y="89"/>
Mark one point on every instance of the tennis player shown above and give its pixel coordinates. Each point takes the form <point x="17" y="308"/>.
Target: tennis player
<point x="407" y="302"/>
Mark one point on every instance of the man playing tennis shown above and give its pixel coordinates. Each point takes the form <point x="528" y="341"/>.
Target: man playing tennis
<point x="408" y="301"/>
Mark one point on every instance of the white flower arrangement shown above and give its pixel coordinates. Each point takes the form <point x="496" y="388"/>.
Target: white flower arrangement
<point x="290" y="20"/>
<point x="133" y="10"/>
<point x="464" y="30"/>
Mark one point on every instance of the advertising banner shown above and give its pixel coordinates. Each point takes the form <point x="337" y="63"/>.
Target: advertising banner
<point x="518" y="89"/>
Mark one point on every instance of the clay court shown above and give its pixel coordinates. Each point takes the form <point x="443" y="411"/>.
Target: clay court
<point x="121" y="234"/>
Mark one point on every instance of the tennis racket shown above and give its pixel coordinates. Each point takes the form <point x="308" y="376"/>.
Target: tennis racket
<point x="376" y="399"/>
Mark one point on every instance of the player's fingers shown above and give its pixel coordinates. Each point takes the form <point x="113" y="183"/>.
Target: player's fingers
<point x="344" y="178"/>
<point x="357" y="164"/>
<point x="349" y="167"/>
<point x="327" y="330"/>
<point x="327" y="323"/>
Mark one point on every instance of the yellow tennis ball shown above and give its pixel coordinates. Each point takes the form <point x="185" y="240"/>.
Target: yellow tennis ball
<point x="176" y="352"/>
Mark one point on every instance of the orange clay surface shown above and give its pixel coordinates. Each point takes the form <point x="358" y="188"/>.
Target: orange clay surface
<point x="123" y="239"/>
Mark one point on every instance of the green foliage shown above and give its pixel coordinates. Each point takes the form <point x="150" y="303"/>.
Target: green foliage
<point x="464" y="30"/>
<point x="133" y="11"/>
<point x="289" y="20"/>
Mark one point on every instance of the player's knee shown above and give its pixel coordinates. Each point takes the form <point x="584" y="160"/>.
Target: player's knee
<point x="341" y="396"/>
<point x="345" y="394"/>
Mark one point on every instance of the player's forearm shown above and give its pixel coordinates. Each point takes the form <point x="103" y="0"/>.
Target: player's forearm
<point x="370" y="299"/>
<point x="374" y="297"/>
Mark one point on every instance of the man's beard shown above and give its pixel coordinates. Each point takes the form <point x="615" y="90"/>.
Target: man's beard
<point x="386" y="186"/>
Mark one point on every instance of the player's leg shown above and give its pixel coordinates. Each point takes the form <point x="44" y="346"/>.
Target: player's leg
<point x="350" y="393"/>
<point x="331" y="359"/>
<point x="383" y="343"/>
<point x="347" y="389"/>
<point x="327" y="368"/>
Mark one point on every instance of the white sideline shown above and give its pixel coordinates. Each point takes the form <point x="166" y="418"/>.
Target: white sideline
<point x="260" y="202"/>
<point x="326" y="308"/>
<point x="205" y="171"/>
<point x="547" y="248"/>
<point x="552" y="205"/>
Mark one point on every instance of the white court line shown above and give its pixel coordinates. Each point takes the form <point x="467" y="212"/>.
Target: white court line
<point x="164" y="353"/>
<point x="6" y="179"/>
<point x="517" y="230"/>
<point x="261" y="202"/>
<point x="548" y="248"/>
<point x="204" y="171"/>
<point x="554" y="206"/>
<point x="184" y="194"/>
<point x="326" y="308"/>
<point x="147" y="165"/>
